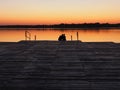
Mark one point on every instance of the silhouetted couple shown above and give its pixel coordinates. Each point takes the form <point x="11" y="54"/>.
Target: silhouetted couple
<point x="62" y="37"/>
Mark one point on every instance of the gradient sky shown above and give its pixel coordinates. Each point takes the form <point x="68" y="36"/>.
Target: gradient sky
<point x="59" y="11"/>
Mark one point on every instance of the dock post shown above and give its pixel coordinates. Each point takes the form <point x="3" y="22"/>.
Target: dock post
<point x="71" y="38"/>
<point x="77" y="36"/>
<point x="35" y="37"/>
<point x="29" y="36"/>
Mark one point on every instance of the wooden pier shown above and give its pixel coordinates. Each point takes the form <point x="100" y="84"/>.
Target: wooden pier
<point x="53" y="65"/>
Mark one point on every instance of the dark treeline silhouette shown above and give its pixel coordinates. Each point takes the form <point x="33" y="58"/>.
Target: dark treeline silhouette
<point x="62" y="25"/>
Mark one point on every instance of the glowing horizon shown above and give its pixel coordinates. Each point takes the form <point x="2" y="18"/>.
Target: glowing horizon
<point x="59" y="11"/>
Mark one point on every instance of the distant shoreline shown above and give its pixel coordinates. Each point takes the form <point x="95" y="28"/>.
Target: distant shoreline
<point x="65" y="26"/>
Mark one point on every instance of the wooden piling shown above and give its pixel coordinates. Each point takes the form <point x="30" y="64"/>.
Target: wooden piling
<point x="71" y="38"/>
<point x="77" y="36"/>
<point x="35" y="37"/>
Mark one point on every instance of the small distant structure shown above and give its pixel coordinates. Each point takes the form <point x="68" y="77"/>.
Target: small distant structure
<point x="62" y="37"/>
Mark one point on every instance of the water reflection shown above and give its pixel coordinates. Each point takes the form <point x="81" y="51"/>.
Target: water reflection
<point x="52" y="34"/>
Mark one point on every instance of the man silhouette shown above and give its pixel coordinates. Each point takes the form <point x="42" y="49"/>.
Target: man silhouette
<point x="62" y="37"/>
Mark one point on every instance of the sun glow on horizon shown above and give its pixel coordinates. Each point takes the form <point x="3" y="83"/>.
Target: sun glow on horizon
<point x="59" y="11"/>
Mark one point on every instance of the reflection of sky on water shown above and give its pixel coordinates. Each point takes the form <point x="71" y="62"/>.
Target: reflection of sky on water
<point x="49" y="34"/>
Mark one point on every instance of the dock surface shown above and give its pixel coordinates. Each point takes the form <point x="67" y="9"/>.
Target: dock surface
<point x="53" y="65"/>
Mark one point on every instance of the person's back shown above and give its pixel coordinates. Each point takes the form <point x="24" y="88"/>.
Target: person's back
<point x="62" y="37"/>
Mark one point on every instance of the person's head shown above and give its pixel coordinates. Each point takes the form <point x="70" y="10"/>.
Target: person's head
<point x="63" y="34"/>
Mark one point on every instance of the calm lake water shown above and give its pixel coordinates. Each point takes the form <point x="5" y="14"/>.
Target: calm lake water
<point x="101" y="35"/>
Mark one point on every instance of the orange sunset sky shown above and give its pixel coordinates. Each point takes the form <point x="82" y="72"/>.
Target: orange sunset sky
<point x="59" y="11"/>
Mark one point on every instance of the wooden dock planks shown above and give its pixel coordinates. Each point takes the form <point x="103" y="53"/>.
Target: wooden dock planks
<point x="53" y="65"/>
